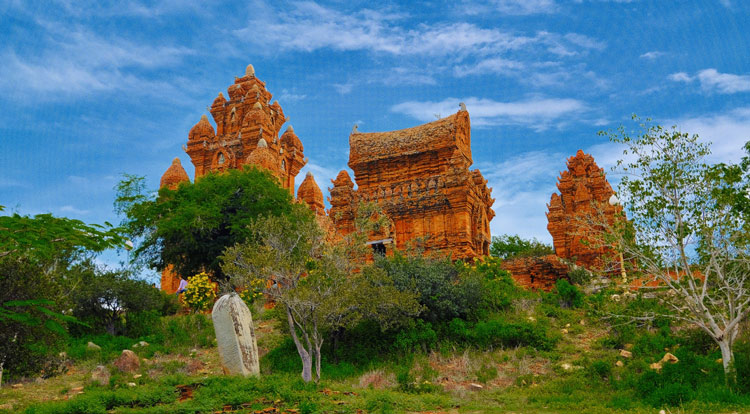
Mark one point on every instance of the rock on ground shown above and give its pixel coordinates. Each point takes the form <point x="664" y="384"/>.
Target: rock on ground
<point x="128" y="361"/>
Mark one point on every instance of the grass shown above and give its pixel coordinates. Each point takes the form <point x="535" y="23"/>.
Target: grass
<point x="578" y="375"/>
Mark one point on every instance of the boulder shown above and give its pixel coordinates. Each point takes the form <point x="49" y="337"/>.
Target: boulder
<point x="128" y="361"/>
<point x="92" y="346"/>
<point x="235" y="337"/>
<point x="101" y="375"/>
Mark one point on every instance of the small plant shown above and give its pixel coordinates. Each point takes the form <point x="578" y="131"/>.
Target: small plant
<point x="486" y="373"/>
<point x="253" y="292"/>
<point x="200" y="293"/>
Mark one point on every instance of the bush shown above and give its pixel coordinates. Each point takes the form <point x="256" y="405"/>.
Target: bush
<point x="443" y="291"/>
<point x="569" y="296"/>
<point x="200" y="294"/>
<point x="500" y="333"/>
<point x="601" y="369"/>
<point x="499" y="290"/>
<point x="579" y="276"/>
<point x="418" y="336"/>
<point x="510" y="246"/>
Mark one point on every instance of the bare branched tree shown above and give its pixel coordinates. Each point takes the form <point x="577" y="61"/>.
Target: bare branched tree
<point x="686" y="234"/>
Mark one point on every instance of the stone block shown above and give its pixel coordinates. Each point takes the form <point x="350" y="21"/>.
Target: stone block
<point x="235" y="336"/>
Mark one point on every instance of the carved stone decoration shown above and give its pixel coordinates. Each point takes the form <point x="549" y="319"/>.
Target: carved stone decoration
<point x="235" y="336"/>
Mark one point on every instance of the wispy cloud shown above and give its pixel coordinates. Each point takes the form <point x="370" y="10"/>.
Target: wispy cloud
<point x="712" y="80"/>
<point x="727" y="132"/>
<point x="288" y="96"/>
<point x="78" y="61"/>
<point x="307" y="26"/>
<point x="652" y="55"/>
<point x="537" y="113"/>
<point x="68" y="209"/>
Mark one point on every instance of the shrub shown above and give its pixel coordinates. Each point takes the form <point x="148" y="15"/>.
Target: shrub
<point x="200" y="293"/>
<point x="418" y="336"/>
<point x="569" y="295"/>
<point x="510" y="246"/>
<point x="601" y="369"/>
<point x="494" y="333"/>
<point x="579" y="276"/>
<point x="443" y="291"/>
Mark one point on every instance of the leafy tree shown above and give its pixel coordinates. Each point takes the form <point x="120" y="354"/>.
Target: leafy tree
<point x="686" y="228"/>
<point x="312" y="280"/>
<point x="190" y="227"/>
<point x="106" y="299"/>
<point x="35" y="256"/>
<point x="509" y="246"/>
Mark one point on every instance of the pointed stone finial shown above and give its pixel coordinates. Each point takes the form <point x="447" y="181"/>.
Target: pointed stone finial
<point x="204" y="118"/>
<point x="463" y="106"/>
<point x="176" y="161"/>
<point x="354" y="130"/>
<point x="262" y="143"/>
<point x="257" y="106"/>
<point x="309" y="174"/>
<point x="250" y="71"/>
<point x="289" y="129"/>
<point x="221" y="95"/>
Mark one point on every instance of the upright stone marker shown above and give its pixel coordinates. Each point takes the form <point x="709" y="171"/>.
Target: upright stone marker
<point x="235" y="336"/>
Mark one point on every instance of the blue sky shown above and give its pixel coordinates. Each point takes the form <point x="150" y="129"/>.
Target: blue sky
<point x="91" y="90"/>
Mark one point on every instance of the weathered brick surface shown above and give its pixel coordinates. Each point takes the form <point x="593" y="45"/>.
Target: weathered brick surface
<point x="537" y="272"/>
<point x="584" y="194"/>
<point x="421" y="178"/>
<point x="243" y="124"/>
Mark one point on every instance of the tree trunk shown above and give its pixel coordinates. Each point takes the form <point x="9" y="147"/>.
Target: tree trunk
<point x="304" y="355"/>
<point x="317" y="362"/>
<point x="727" y="358"/>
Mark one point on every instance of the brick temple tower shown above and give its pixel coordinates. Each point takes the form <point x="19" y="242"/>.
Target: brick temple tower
<point x="584" y="193"/>
<point x="421" y="178"/>
<point x="247" y="132"/>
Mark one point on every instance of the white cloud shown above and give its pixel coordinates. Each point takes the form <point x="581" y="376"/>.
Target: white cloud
<point x="287" y="96"/>
<point x="68" y="209"/>
<point x="79" y="61"/>
<point x="343" y="88"/>
<point x="727" y="132"/>
<point x="712" y="80"/>
<point x="680" y="77"/>
<point x="652" y="55"/>
<point x="537" y="113"/>
<point x="307" y="26"/>
<point x="495" y="65"/>
<point x="522" y="186"/>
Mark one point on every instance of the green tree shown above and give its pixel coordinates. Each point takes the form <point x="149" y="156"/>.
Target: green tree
<point x="686" y="229"/>
<point x="312" y="280"/>
<point x="190" y="227"/>
<point x="36" y="254"/>
<point x="509" y="246"/>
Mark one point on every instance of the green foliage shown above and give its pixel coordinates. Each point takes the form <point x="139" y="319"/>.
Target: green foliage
<point x="493" y="333"/>
<point x="191" y="226"/>
<point x="498" y="288"/>
<point x="601" y="369"/>
<point x="568" y="295"/>
<point x="510" y="246"/>
<point x="443" y="291"/>
<point x="579" y="276"/>
<point x="106" y="299"/>
<point x="419" y="335"/>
